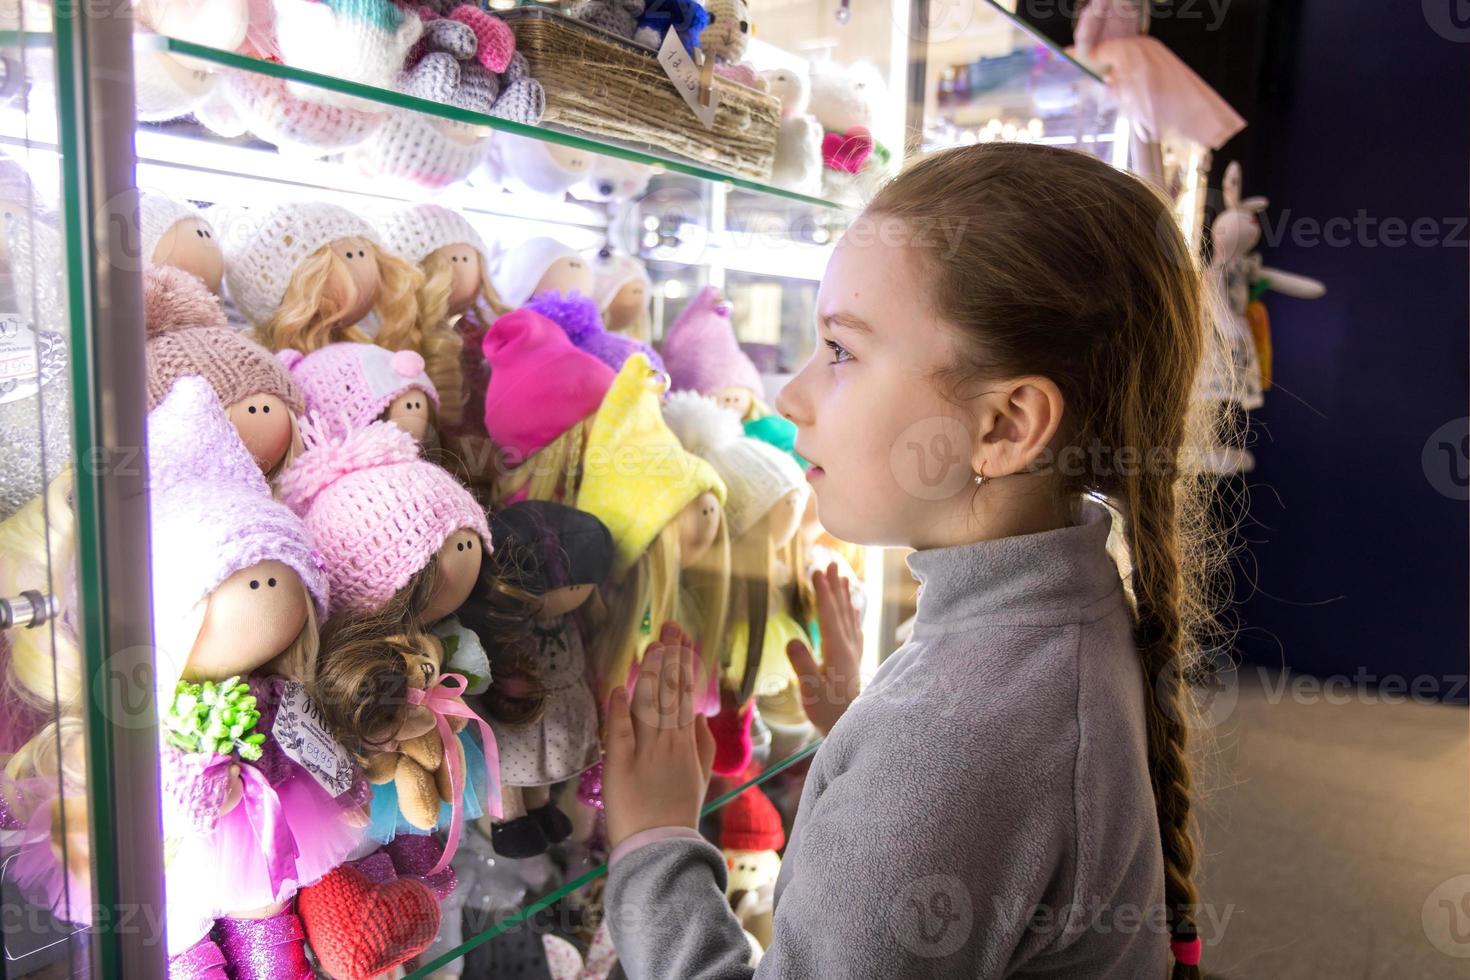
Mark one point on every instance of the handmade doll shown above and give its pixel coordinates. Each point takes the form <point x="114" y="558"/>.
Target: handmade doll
<point x="542" y="709"/>
<point x="523" y="165"/>
<point x="188" y="335"/>
<point x="766" y="497"/>
<point x="456" y="295"/>
<point x="1158" y="94"/>
<point x="846" y="99"/>
<point x="349" y="385"/>
<point x="751" y="836"/>
<point x="177" y="234"/>
<point x="726" y="37"/>
<point x="577" y="314"/>
<point x="308" y="275"/>
<point x="533" y="363"/>
<point x="622" y="289"/>
<point x="540" y="265"/>
<point x="664" y="509"/>
<point x="702" y="354"/>
<point x="798" y="165"/>
<point x="402" y="542"/>
<point x="259" y="800"/>
<point x="687" y="18"/>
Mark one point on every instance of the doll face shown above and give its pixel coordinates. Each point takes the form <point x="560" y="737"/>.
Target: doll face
<point x="570" y="272"/>
<point x="785" y="517"/>
<point x="699" y="525"/>
<point x="355" y="283"/>
<point x="190" y="245"/>
<point x="569" y="159"/>
<point x="628" y="305"/>
<point x="459" y="566"/>
<point x="249" y="619"/>
<point x="464" y="275"/>
<point x="737" y="400"/>
<point x="751" y="869"/>
<point x="264" y="424"/>
<point x="410" y="412"/>
<point x="559" y="602"/>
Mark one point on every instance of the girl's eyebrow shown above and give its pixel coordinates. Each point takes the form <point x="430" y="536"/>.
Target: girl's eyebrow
<point x="847" y="320"/>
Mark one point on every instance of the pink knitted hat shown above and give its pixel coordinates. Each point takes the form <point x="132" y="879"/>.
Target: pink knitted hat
<point x="540" y="385"/>
<point x="349" y="385"/>
<point x="211" y="509"/>
<point x="379" y="512"/>
<point x="188" y="335"/>
<point x="700" y="350"/>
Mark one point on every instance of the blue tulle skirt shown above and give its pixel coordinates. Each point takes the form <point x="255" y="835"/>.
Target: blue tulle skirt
<point x="387" y="822"/>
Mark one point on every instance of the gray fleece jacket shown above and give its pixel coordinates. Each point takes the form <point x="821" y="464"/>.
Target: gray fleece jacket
<point x="983" y="809"/>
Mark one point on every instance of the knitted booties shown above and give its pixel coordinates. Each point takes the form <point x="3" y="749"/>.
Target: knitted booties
<point x="519" y="838"/>
<point x="202" y="961"/>
<point x="359" y="929"/>
<point x="414" y="855"/>
<point x="731" y="731"/>
<point x="265" y="949"/>
<point x="555" y="825"/>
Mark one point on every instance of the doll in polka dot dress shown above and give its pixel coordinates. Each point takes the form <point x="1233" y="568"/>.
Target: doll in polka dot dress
<point x="549" y="559"/>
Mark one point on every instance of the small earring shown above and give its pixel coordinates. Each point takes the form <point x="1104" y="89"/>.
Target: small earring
<point x="980" y="477"/>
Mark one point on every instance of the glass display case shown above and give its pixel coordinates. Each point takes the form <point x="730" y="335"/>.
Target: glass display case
<point x="97" y="109"/>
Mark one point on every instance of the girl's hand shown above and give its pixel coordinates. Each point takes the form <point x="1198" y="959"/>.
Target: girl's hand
<point x="828" y="688"/>
<point x="658" y="752"/>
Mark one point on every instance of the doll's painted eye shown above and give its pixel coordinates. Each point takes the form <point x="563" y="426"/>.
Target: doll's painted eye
<point x="255" y="583"/>
<point x="252" y="409"/>
<point x="266" y="409"/>
<point x="459" y="547"/>
<point x="271" y="582"/>
<point x="199" y="232"/>
<point x="745" y="27"/>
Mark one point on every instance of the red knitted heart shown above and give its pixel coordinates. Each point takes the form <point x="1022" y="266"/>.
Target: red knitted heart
<point x="359" y="930"/>
<point x="847" y="151"/>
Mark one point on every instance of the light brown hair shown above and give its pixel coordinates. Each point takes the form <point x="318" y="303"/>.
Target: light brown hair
<point x="1050" y="262"/>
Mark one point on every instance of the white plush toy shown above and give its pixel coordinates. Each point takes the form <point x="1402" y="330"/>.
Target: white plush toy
<point x="610" y="180"/>
<point x="528" y="166"/>
<point x="798" y="165"/>
<point x="845" y="100"/>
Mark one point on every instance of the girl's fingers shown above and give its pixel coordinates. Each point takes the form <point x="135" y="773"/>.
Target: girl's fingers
<point x="686" y="687"/>
<point x="645" y="695"/>
<point x="704" y="743"/>
<point x="668" y="688"/>
<point x="618" y="739"/>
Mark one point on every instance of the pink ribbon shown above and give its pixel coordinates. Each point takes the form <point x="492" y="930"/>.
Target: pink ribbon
<point x="268" y="819"/>
<point x="443" y="700"/>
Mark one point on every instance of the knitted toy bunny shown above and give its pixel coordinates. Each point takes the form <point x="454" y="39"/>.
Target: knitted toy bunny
<point x="686" y="17"/>
<point x="620" y="17"/>
<point x="798" y="165"/>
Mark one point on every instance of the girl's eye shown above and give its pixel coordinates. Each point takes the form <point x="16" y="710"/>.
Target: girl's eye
<point x="839" y="353"/>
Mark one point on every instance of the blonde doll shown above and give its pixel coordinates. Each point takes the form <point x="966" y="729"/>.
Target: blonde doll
<point x="456" y="305"/>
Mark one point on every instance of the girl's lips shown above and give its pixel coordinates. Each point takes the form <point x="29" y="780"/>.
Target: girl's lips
<point x="813" y="472"/>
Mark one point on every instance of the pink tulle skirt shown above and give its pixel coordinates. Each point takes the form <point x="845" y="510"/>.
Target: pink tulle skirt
<point x="26" y="854"/>
<point x="1163" y="95"/>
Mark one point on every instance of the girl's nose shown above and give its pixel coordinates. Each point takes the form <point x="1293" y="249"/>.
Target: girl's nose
<point x="790" y="403"/>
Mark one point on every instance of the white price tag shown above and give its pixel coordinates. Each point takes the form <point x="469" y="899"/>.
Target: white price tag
<point x="19" y="358"/>
<point x="302" y="734"/>
<point x="684" y="73"/>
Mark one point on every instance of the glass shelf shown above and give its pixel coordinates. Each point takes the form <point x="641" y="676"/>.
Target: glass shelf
<point x="551" y="898"/>
<point x="545" y="133"/>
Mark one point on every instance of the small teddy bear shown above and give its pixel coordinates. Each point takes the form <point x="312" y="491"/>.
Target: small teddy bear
<point x="416" y="763"/>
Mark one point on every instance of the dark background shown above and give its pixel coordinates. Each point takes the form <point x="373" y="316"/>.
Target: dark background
<point x="1356" y="542"/>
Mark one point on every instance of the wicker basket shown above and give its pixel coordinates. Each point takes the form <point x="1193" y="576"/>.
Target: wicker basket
<point x="597" y="82"/>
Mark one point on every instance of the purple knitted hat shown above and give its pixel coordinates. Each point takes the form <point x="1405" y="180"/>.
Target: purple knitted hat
<point x="349" y="385"/>
<point x="578" y="316"/>
<point x="378" y="511"/>
<point x="211" y="509"/>
<point x="701" y="351"/>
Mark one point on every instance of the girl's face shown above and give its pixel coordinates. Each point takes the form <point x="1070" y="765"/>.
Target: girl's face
<point x="890" y="456"/>
<point x="356" y="282"/>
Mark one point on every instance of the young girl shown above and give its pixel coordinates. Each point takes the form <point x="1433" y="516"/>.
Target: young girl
<point x="1009" y="335"/>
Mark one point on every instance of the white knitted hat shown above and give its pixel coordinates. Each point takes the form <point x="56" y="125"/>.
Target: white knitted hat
<point x="365" y="42"/>
<point x="519" y="269"/>
<point x="416" y="232"/>
<point x="525" y="165"/>
<point x="756" y="474"/>
<point x="613" y="271"/>
<point x="263" y="247"/>
<point x="420" y="150"/>
<point x="157" y="213"/>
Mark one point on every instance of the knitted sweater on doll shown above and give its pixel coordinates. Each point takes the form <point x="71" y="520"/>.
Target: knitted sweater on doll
<point x="983" y="809"/>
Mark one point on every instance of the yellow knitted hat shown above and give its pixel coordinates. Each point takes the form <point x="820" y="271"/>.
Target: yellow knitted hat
<point x="636" y="477"/>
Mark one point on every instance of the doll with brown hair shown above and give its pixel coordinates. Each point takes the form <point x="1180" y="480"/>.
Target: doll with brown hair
<point x="767" y="494"/>
<point x="188" y="335"/>
<point x="309" y="275"/>
<point x="259" y="800"/>
<point x="456" y="305"/>
<point x="533" y="363"/>
<point x="665" y="510"/>
<point x="402" y="542"/>
<point x="549" y="560"/>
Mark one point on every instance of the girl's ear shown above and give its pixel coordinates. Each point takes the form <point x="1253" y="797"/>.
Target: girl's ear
<point x="1015" y="422"/>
